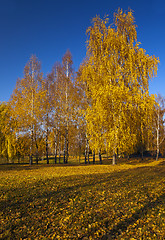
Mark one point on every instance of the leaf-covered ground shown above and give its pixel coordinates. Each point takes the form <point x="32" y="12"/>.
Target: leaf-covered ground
<point x="126" y="201"/>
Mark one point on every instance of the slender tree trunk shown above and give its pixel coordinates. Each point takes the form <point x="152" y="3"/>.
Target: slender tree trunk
<point x="37" y="151"/>
<point x="142" y="153"/>
<point x="88" y="151"/>
<point x="93" y="157"/>
<point x="59" y="148"/>
<point x="117" y="155"/>
<point x="79" y="158"/>
<point x="67" y="119"/>
<point x="114" y="158"/>
<point x="100" y="158"/>
<point x="32" y="116"/>
<point x="85" y="156"/>
<point x="79" y="149"/>
<point x="55" y="147"/>
<point x="7" y="155"/>
<point x="31" y="147"/>
<point x="157" y="137"/>
<point x="37" y="159"/>
<point x="47" y="154"/>
<point x="157" y="154"/>
<point x="67" y="145"/>
<point x="65" y="149"/>
<point x="114" y="148"/>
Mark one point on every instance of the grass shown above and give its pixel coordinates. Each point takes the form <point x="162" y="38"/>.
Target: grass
<point x="126" y="201"/>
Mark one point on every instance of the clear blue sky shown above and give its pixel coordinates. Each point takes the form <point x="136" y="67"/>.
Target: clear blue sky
<point x="47" y="28"/>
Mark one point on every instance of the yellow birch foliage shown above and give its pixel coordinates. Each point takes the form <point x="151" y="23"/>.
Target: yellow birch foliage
<point x="7" y="133"/>
<point x="27" y="98"/>
<point x="116" y="72"/>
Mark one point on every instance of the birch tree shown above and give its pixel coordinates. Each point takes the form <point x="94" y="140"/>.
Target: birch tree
<point x="117" y="72"/>
<point x="25" y="100"/>
<point x="7" y="133"/>
<point x="159" y="123"/>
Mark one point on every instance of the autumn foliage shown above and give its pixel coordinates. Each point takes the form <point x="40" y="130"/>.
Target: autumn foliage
<point x="125" y="201"/>
<point x="116" y="73"/>
<point x="104" y="108"/>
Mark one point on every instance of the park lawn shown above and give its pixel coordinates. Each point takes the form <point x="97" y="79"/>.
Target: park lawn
<point x="125" y="201"/>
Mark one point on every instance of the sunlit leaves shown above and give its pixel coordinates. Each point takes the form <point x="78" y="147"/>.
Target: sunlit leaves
<point x="26" y="102"/>
<point x="7" y="132"/>
<point x="116" y="73"/>
<point x="120" y="202"/>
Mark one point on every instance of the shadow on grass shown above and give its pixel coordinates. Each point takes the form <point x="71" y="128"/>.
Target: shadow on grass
<point x="40" y="194"/>
<point x="123" y="225"/>
<point x="26" y="166"/>
<point x="74" y="184"/>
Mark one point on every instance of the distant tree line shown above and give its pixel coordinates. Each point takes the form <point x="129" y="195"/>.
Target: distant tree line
<point x="103" y="108"/>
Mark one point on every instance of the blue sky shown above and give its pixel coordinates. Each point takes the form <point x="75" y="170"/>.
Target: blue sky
<point x="47" y="28"/>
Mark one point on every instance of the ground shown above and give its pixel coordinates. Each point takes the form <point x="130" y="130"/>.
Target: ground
<point x="126" y="201"/>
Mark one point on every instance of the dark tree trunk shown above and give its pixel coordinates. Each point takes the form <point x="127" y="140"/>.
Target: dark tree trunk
<point x="85" y="155"/>
<point x="100" y="158"/>
<point x="59" y="148"/>
<point x="142" y="153"/>
<point x="93" y="157"/>
<point x="65" y="149"/>
<point x="79" y="151"/>
<point x="88" y="150"/>
<point x="55" y="158"/>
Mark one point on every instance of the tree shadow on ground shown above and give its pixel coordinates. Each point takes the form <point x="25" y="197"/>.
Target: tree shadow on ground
<point x="123" y="225"/>
<point x="74" y="184"/>
<point x="40" y="194"/>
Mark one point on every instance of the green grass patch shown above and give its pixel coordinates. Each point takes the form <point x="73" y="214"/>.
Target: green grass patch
<point x="126" y="201"/>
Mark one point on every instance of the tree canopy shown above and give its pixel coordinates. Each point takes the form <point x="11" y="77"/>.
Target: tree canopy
<point x="103" y="108"/>
<point x="116" y="72"/>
